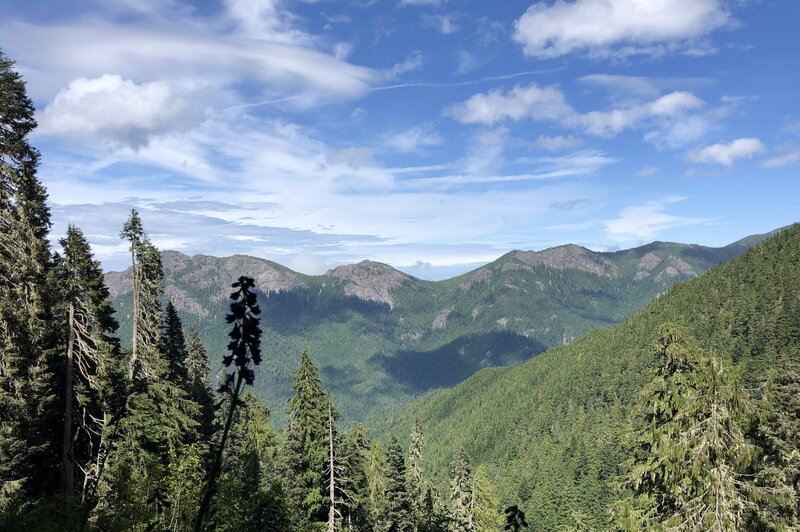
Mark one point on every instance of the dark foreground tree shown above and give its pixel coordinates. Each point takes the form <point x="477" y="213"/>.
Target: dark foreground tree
<point x="29" y="413"/>
<point x="244" y="352"/>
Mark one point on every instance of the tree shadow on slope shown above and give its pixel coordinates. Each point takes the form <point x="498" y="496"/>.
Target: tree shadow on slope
<point x="421" y="371"/>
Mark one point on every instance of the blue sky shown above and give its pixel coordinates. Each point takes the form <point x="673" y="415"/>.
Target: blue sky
<point x="429" y="134"/>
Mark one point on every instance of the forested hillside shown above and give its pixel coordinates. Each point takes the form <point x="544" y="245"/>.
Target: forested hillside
<point x="383" y="337"/>
<point x="551" y="431"/>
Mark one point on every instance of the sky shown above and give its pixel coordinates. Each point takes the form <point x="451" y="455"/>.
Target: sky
<point x="432" y="135"/>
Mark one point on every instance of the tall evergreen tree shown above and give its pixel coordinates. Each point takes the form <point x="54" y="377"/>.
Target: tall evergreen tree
<point x="354" y="482"/>
<point x="29" y="454"/>
<point x="305" y="439"/>
<point x="397" y="512"/>
<point x="776" y="484"/>
<point x="376" y="471"/>
<point x="689" y="444"/>
<point x="160" y="416"/>
<point x="92" y="363"/>
<point x="416" y="480"/>
<point x="133" y="232"/>
<point x="197" y="374"/>
<point x="486" y="507"/>
<point x="461" y="491"/>
<point x="174" y="347"/>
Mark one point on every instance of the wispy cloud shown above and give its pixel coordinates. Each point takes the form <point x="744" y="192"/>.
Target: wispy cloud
<point x="618" y="27"/>
<point x="640" y="223"/>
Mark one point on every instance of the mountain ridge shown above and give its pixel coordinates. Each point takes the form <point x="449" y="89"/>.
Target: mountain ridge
<point x="382" y="337"/>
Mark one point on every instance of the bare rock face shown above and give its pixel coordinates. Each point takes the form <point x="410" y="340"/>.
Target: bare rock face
<point x="482" y="275"/>
<point x="118" y="283"/>
<point x="676" y="266"/>
<point x="648" y="263"/>
<point x="569" y="257"/>
<point x="371" y="281"/>
<point x="440" y="322"/>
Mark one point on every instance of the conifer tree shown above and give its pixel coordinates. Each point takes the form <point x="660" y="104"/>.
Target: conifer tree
<point x="92" y="363"/>
<point x="690" y="449"/>
<point x="486" y="506"/>
<point x="197" y="373"/>
<point x="376" y="471"/>
<point x="160" y="416"/>
<point x="416" y="480"/>
<point x="397" y="512"/>
<point x="461" y="491"/>
<point x="174" y="347"/>
<point x="354" y="483"/>
<point x="306" y="443"/>
<point x="776" y="485"/>
<point x="29" y="424"/>
<point x="133" y="232"/>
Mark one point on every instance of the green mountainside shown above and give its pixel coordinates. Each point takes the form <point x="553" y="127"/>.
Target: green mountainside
<point x="550" y="430"/>
<point x="382" y="337"/>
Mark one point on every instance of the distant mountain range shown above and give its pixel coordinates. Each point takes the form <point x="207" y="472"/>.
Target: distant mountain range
<point x="382" y="337"/>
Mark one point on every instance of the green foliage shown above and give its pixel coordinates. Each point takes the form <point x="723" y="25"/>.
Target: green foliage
<point x="306" y="444"/>
<point x="485" y="503"/>
<point x="197" y="372"/>
<point x="92" y="363"/>
<point x="689" y="451"/>
<point x="776" y="486"/>
<point x="174" y="347"/>
<point x="461" y="494"/>
<point x="29" y="407"/>
<point x="397" y="510"/>
<point x="250" y="492"/>
<point x="550" y="429"/>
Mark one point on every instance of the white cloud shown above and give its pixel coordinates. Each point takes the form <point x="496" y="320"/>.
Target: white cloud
<point x="725" y="154"/>
<point x="779" y="161"/>
<point x="120" y="109"/>
<point x="413" y="139"/>
<point x="411" y="63"/>
<point x="617" y="27"/>
<point x="537" y="103"/>
<point x="644" y="222"/>
<point x="558" y="142"/>
<point x="549" y="104"/>
<point x="58" y="54"/>
<point x="267" y="20"/>
<point x="611" y="123"/>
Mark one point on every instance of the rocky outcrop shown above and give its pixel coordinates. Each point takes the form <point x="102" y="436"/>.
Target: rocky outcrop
<point x="371" y="281"/>
<point x="569" y="257"/>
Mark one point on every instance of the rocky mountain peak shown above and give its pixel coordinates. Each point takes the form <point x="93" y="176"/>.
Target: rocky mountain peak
<point x="568" y="257"/>
<point x="369" y="280"/>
